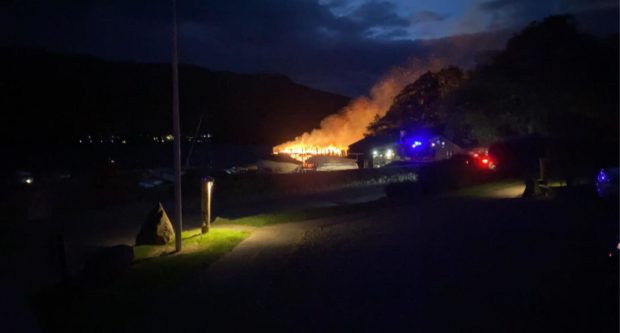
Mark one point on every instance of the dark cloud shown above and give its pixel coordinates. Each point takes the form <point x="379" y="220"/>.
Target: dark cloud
<point x="394" y="34"/>
<point x="496" y="5"/>
<point x="338" y="45"/>
<point x="374" y="13"/>
<point x="516" y="13"/>
<point x="541" y="8"/>
<point x="425" y="17"/>
<point x="302" y="38"/>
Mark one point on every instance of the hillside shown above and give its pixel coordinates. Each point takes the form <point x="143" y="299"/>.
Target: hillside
<point x="56" y="97"/>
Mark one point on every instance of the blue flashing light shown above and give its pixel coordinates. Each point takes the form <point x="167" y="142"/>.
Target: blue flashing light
<point x="602" y="177"/>
<point x="416" y="144"/>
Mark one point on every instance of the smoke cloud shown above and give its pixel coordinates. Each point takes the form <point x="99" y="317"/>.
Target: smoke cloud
<point x="351" y="123"/>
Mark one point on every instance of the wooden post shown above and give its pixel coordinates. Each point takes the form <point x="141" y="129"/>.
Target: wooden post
<point x="62" y="257"/>
<point x="543" y="185"/>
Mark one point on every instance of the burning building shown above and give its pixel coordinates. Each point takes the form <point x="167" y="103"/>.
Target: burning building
<point x="336" y="132"/>
<point x="302" y="152"/>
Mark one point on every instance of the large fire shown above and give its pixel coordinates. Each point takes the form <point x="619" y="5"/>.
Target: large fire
<point x="302" y="152"/>
<point x="350" y="124"/>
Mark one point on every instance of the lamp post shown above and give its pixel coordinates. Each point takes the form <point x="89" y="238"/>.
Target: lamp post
<point x="205" y="203"/>
<point x="176" y="132"/>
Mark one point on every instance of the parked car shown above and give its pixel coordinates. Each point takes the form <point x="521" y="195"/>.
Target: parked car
<point x="475" y="161"/>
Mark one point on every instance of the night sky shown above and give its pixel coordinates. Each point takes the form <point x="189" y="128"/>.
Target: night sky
<point x="336" y="45"/>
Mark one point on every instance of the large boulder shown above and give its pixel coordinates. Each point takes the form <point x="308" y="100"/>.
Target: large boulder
<point x="157" y="229"/>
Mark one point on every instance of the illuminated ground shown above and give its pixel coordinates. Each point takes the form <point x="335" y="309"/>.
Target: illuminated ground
<point x="119" y="224"/>
<point x="498" y="190"/>
<point x="437" y="264"/>
<point x="478" y="260"/>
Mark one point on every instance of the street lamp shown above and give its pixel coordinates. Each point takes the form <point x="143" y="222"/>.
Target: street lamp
<point x="205" y="203"/>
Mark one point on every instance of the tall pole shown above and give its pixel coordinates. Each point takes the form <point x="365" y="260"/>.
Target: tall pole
<point x="176" y="132"/>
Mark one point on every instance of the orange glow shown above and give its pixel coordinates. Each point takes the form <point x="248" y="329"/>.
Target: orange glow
<point x="302" y="152"/>
<point x="337" y="131"/>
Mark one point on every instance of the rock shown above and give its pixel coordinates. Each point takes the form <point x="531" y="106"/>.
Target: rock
<point x="157" y="229"/>
<point x="108" y="263"/>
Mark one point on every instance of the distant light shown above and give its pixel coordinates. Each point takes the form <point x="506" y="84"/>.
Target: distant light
<point x="485" y="161"/>
<point x="374" y="153"/>
<point x="124" y="141"/>
<point x="389" y="153"/>
<point x="28" y="180"/>
<point x="80" y="140"/>
<point x="432" y="144"/>
<point x="417" y="144"/>
<point x="169" y="137"/>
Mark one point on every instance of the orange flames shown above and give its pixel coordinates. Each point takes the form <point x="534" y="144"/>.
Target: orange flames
<point x="301" y="152"/>
<point x="338" y="131"/>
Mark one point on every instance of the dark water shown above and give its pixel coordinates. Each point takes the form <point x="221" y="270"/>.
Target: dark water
<point x="83" y="158"/>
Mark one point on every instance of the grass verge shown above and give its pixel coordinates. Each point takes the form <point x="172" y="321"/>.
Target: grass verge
<point x="512" y="188"/>
<point x="297" y="215"/>
<point x="155" y="274"/>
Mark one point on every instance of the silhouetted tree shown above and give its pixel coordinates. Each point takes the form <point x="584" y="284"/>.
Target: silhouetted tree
<point x="419" y="103"/>
<point x="550" y="80"/>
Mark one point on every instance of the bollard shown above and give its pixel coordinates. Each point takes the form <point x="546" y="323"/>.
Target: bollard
<point x="206" y="190"/>
<point x="62" y="257"/>
<point x="541" y="169"/>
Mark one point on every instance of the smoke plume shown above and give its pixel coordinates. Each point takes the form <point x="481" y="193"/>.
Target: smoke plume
<point x="350" y="124"/>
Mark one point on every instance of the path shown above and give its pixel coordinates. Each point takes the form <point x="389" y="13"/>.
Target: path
<point x="239" y="281"/>
<point x="255" y="260"/>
